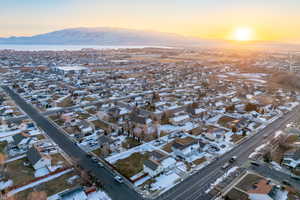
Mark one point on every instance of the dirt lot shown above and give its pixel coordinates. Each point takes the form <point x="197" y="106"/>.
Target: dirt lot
<point x="20" y="173"/>
<point x="52" y="187"/>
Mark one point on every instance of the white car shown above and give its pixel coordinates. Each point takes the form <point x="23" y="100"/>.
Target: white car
<point x="118" y="179"/>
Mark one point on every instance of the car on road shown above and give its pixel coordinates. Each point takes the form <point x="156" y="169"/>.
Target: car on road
<point x="265" y="137"/>
<point x="88" y="155"/>
<point x="119" y="179"/>
<point x="295" y="177"/>
<point x="94" y="159"/>
<point x="226" y="165"/>
<point x="232" y="159"/>
<point x="286" y="182"/>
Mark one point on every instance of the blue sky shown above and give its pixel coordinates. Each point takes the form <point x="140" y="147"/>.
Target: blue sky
<point x="270" y="19"/>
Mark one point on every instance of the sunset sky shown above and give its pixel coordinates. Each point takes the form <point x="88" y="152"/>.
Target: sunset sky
<point x="277" y="20"/>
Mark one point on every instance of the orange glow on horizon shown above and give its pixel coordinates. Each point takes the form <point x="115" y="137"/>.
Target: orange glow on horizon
<point x="243" y="34"/>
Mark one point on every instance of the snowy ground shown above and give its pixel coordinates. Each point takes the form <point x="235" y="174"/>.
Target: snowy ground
<point x="165" y="181"/>
<point x="222" y="178"/>
<point x="99" y="195"/>
<point x="142" y="148"/>
<point x="41" y="172"/>
<point x="5" y="184"/>
<point x="10" y="133"/>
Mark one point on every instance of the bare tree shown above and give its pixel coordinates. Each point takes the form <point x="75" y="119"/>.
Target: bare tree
<point x="37" y="195"/>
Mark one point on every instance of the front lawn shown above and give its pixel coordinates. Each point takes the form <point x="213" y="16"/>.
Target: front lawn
<point x="132" y="164"/>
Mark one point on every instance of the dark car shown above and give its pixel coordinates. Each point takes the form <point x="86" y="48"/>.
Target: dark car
<point x="295" y="177"/>
<point x="254" y="163"/>
<point x="232" y="159"/>
<point x="286" y="182"/>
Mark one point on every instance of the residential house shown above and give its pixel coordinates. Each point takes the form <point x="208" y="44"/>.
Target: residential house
<point x="158" y="162"/>
<point x="185" y="147"/>
<point x="264" y="190"/>
<point x="197" y="112"/>
<point x="104" y="143"/>
<point x="292" y="159"/>
<point x="139" y="121"/>
<point x="23" y="141"/>
<point x="179" y="119"/>
<point x="85" y="127"/>
<point x="37" y="160"/>
<point x="77" y="193"/>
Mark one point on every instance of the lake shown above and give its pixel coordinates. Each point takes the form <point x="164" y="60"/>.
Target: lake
<point x="67" y="47"/>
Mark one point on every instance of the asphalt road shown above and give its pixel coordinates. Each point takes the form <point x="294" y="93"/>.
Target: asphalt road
<point x="195" y="186"/>
<point x="192" y="188"/>
<point x="267" y="171"/>
<point x="115" y="190"/>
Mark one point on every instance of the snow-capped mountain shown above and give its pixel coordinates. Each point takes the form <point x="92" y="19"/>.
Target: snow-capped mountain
<point x="104" y="36"/>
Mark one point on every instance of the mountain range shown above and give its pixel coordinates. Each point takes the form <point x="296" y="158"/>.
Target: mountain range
<point x="105" y="36"/>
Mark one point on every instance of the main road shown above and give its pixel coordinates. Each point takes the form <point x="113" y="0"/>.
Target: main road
<point x="192" y="188"/>
<point x="115" y="190"/>
<point x="195" y="186"/>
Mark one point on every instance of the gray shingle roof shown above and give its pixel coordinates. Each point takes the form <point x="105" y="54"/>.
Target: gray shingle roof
<point x="293" y="155"/>
<point x="33" y="155"/>
<point x="178" y="145"/>
<point x="18" y="138"/>
<point x="138" y="119"/>
<point x="158" y="155"/>
<point x="151" y="164"/>
<point x="104" y="139"/>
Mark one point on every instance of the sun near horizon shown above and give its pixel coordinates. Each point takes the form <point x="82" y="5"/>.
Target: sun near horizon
<point x="243" y="34"/>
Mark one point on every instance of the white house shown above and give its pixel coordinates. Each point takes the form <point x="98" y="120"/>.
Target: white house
<point x="180" y="119"/>
<point x="38" y="160"/>
<point x="158" y="162"/>
<point x="185" y="148"/>
<point x="70" y="69"/>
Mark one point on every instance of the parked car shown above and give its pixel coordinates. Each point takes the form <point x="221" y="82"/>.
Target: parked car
<point x="100" y="164"/>
<point x="118" y="179"/>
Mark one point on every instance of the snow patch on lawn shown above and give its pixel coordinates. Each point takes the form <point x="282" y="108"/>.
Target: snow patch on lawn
<point x="99" y="195"/>
<point x="5" y="184"/>
<point x="222" y="178"/>
<point x="142" y="148"/>
<point x="165" y="181"/>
